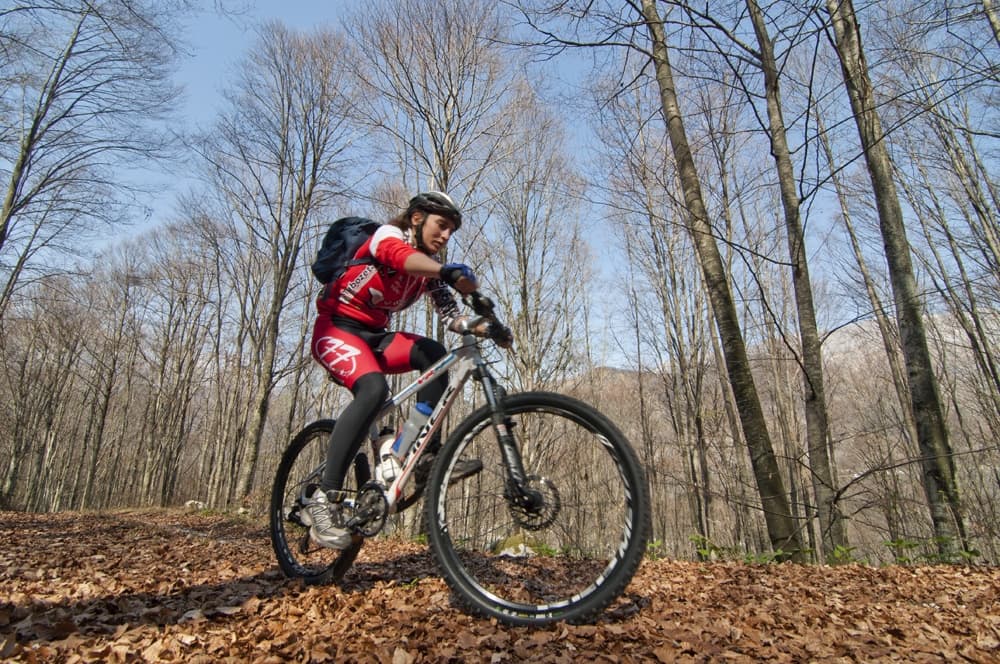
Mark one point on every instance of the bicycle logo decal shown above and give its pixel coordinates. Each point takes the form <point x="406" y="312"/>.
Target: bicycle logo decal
<point x="337" y="355"/>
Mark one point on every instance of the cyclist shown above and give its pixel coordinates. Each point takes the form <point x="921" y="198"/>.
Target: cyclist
<point x="352" y="341"/>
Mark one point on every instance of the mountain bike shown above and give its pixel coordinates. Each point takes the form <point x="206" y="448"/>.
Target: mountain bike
<point x="552" y="528"/>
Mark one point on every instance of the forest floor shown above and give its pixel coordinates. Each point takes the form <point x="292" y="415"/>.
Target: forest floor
<point x="173" y="586"/>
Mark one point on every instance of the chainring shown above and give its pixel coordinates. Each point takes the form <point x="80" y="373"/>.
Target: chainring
<point x="371" y="507"/>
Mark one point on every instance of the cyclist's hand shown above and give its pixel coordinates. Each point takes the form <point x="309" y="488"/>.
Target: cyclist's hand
<point x="500" y="334"/>
<point x="460" y="277"/>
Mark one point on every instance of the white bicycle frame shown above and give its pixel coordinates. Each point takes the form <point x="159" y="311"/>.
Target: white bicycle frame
<point x="467" y="359"/>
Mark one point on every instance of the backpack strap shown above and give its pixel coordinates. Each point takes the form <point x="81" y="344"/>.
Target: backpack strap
<point x="370" y="260"/>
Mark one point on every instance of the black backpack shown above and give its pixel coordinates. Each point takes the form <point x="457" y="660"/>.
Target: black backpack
<point x="341" y="242"/>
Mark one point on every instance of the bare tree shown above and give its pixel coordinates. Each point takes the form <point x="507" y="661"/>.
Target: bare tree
<point x="534" y="252"/>
<point x="671" y="328"/>
<point x="276" y="156"/>
<point x="932" y="434"/>
<point x="781" y="527"/>
<point x="817" y="426"/>
<point x="112" y="299"/>
<point x="177" y="304"/>
<point x="623" y="27"/>
<point x="83" y="90"/>
<point x="436" y="100"/>
<point x="41" y="376"/>
<point x="950" y="188"/>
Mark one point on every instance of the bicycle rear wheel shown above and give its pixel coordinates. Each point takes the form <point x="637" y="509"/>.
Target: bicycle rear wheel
<point x="301" y="465"/>
<point x="576" y="549"/>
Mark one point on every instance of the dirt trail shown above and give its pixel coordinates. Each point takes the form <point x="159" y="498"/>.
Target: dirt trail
<point x="170" y="586"/>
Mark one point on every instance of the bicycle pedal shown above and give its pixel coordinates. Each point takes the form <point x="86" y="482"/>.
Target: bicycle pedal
<point x="293" y="515"/>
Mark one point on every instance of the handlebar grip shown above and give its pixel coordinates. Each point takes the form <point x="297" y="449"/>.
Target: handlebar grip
<point x="482" y="305"/>
<point x="501" y="334"/>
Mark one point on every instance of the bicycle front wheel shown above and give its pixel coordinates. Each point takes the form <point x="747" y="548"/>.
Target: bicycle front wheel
<point x="570" y="552"/>
<point x="301" y="466"/>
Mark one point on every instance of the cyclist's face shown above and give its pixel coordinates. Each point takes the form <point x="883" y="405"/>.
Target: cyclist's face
<point x="436" y="232"/>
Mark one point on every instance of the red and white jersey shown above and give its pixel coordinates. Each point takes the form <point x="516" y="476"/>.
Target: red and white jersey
<point x="371" y="293"/>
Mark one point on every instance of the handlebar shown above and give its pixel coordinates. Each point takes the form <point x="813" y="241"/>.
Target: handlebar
<point x="482" y="305"/>
<point x="485" y="311"/>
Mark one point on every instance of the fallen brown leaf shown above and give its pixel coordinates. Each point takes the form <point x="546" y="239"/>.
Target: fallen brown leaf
<point x="169" y="586"/>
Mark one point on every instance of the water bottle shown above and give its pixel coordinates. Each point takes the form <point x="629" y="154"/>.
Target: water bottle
<point x="392" y="449"/>
<point x="414" y="423"/>
<point x="388" y="467"/>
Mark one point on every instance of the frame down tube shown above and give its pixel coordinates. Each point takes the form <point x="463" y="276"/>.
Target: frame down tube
<point x="466" y="366"/>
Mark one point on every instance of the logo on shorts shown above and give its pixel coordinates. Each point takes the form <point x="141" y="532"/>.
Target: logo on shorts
<point x="337" y="356"/>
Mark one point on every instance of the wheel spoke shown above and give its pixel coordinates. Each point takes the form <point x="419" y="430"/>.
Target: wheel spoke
<point x="302" y="464"/>
<point x="565" y="557"/>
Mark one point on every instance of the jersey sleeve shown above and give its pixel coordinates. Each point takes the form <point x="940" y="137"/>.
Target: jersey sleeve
<point x="389" y="247"/>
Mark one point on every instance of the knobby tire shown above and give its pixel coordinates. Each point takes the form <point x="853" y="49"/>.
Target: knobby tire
<point x="566" y="559"/>
<point x="301" y="464"/>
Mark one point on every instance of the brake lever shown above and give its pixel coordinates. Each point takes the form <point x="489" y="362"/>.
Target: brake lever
<point x="482" y="305"/>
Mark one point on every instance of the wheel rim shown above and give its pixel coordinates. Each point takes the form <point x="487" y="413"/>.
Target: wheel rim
<point x="298" y="554"/>
<point x="558" y="562"/>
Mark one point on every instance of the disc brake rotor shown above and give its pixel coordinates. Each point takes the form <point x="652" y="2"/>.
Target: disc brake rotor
<point x="541" y="515"/>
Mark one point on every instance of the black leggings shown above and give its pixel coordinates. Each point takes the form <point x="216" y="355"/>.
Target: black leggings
<point x="370" y="392"/>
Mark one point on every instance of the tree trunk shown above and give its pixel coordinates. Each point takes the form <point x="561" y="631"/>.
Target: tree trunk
<point x="991" y="16"/>
<point x="831" y="520"/>
<point x="782" y="530"/>
<point x="932" y="434"/>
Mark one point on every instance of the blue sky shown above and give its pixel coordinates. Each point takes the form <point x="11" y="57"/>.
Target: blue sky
<point x="218" y="42"/>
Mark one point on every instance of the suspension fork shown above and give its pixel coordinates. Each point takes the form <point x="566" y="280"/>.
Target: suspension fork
<point x="516" y="488"/>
